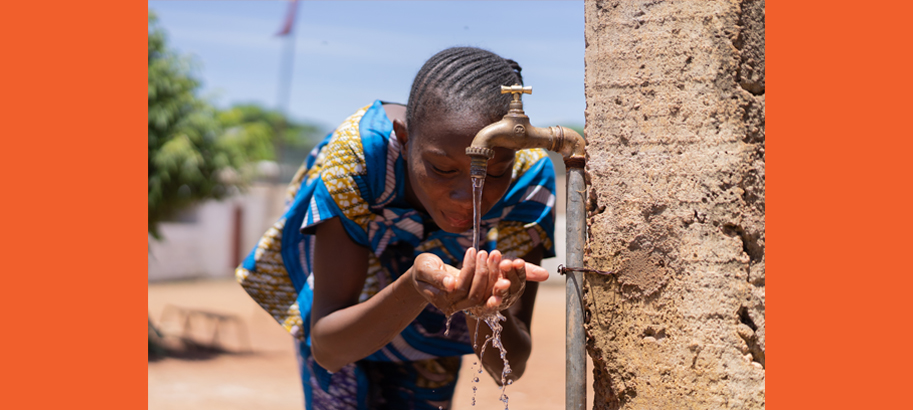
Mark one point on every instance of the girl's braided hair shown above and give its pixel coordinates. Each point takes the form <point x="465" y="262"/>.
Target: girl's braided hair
<point x="462" y="79"/>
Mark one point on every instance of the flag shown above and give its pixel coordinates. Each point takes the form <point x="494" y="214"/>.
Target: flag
<point x="289" y="19"/>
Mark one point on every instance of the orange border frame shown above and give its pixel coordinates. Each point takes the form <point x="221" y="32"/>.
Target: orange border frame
<point x="837" y="182"/>
<point x="74" y="111"/>
<point x="838" y="178"/>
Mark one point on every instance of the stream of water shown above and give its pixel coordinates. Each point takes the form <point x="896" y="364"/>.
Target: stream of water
<point x="477" y="184"/>
<point x="492" y="319"/>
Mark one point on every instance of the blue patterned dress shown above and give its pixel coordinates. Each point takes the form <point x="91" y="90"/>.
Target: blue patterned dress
<point x="358" y="175"/>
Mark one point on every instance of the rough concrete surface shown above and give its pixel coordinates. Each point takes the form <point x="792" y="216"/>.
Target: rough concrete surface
<point x="675" y="130"/>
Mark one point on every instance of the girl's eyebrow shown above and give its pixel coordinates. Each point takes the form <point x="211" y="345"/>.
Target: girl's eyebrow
<point x="436" y="151"/>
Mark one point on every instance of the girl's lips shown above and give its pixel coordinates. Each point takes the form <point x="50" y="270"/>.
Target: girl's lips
<point x="457" y="221"/>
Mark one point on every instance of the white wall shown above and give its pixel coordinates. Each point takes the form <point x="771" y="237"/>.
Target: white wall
<point x="203" y="248"/>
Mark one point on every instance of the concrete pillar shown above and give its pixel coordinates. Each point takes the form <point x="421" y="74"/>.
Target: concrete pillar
<point x="675" y="130"/>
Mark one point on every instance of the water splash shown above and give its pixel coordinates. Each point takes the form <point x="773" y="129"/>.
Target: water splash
<point x="493" y="320"/>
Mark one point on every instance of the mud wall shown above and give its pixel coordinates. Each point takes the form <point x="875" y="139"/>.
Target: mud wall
<point x="675" y="130"/>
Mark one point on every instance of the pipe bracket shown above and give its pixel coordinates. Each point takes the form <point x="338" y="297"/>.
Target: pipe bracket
<point x="564" y="269"/>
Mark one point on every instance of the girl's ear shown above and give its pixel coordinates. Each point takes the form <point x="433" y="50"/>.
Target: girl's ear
<point x="402" y="136"/>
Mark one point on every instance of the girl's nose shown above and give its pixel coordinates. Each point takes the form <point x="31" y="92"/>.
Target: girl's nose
<point x="462" y="192"/>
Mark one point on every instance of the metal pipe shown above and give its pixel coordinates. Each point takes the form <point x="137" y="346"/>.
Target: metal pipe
<point x="575" y="342"/>
<point x="515" y="132"/>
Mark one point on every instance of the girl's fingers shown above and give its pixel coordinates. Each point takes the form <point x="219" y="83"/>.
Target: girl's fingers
<point x="464" y="282"/>
<point x="494" y="271"/>
<point x="431" y="272"/>
<point x="502" y="285"/>
<point x="493" y="303"/>
<point x="480" y="289"/>
<point x="535" y="273"/>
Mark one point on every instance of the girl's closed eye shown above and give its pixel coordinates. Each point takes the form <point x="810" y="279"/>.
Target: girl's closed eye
<point x="503" y="173"/>
<point x="443" y="171"/>
<point x="496" y="173"/>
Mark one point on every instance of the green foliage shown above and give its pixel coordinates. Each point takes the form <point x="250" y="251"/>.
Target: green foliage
<point x="261" y="132"/>
<point x="185" y="153"/>
<point x="197" y="152"/>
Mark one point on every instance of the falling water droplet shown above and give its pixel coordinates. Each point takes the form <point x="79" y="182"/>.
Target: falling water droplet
<point x="447" y="325"/>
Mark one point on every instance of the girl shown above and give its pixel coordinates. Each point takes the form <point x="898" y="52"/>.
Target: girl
<point x="373" y="253"/>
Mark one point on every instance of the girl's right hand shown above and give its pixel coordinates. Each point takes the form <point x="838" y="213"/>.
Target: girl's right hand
<point x="452" y="290"/>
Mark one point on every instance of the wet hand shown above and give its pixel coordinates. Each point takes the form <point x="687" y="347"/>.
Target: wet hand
<point x="435" y="281"/>
<point x="450" y="289"/>
<point x="512" y="277"/>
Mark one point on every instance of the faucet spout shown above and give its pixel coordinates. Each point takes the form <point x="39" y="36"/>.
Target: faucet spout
<point x="515" y="132"/>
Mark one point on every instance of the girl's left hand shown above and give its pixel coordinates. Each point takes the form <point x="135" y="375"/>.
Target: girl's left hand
<point x="511" y="282"/>
<point x="452" y="290"/>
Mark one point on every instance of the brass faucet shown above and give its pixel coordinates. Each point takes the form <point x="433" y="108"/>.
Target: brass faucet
<point x="515" y="132"/>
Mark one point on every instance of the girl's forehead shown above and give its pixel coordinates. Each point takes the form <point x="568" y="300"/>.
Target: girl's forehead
<point x="448" y="131"/>
<point x="448" y="135"/>
<point x="454" y="121"/>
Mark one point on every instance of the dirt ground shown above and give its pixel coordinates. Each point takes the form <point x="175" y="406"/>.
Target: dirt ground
<point x="258" y="370"/>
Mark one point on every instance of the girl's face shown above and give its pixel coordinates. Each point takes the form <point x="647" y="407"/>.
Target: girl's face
<point x="437" y="169"/>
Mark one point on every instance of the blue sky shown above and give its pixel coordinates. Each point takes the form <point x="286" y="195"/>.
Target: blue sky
<point x="349" y="53"/>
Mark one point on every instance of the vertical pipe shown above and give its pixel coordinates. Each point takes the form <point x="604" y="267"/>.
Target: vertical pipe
<point x="575" y="353"/>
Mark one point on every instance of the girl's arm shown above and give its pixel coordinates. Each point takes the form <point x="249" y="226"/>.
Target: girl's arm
<point x="515" y="335"/>
<point x="343" y="330"/>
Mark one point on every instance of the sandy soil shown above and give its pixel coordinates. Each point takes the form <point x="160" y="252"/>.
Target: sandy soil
<point x="259" y="369"/>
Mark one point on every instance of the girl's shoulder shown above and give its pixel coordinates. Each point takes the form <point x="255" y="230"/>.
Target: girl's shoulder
<point x="355" y="146"/>
<point x="350" y="168"/>
<point x="525" y="159"/>
<point x="533" y="166"/>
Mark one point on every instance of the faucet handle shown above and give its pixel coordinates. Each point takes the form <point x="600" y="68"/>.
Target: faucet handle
<point x="516" y="89"/>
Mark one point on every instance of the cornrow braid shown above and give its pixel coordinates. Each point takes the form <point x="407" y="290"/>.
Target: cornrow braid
<point x="462" y="79"/>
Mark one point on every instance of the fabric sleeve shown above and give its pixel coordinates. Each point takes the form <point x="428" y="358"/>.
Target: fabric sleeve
<point x="528" y="207"/>
<point x="339" y="182"/>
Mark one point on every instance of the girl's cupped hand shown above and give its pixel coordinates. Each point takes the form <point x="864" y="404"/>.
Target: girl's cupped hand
<point x="485" y="283"/>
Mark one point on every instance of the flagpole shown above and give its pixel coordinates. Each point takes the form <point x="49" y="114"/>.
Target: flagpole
<point x="285" y="74"/>
<point x="286" y="70"/>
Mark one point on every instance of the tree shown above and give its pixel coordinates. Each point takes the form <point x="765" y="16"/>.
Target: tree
<point x="197" y="152"/>
<point x="262" y="133"/>
<point x="186" y="154"/>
